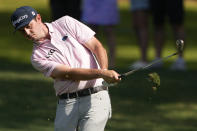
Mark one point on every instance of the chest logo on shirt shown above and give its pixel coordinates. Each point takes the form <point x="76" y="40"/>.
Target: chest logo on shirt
<point x="64" y="38"/>
<point x="50" y="53"/>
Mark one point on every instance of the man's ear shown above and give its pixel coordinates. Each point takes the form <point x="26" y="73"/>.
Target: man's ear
<point x="38" y="18"/>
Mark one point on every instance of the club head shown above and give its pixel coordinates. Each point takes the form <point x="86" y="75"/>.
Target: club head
<point x="180" y="45"/>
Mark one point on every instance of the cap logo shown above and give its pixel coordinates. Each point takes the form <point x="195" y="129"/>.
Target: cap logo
<point x="33" y="13"/>
<point x="19" y="19"/>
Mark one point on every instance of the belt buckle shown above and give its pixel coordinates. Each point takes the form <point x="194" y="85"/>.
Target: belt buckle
<point x="74" y="95"/>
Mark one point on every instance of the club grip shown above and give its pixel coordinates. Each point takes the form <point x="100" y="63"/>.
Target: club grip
<point x="122" y="76"/>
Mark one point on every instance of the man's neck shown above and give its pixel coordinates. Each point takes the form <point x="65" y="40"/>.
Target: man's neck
<point x="46" y="31"/>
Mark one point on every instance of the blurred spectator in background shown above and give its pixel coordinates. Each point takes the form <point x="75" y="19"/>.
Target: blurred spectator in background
<point x="140" y="13"/>
<point x="103" y="13"/>
<point x="174" y="11"/>
<point x="61" y="8"/>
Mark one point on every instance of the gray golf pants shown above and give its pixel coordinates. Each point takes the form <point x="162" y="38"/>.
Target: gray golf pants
<point x="89" y="113"/>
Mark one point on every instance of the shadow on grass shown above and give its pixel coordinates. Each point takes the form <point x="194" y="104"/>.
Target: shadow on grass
<point x="26" y="102"/>
<point x="172" y="107"/>
<point x="12" y="65"/>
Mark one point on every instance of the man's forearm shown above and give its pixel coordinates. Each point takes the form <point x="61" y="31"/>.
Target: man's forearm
<point x="83" y="74"/>
<point x="63" y="72"/>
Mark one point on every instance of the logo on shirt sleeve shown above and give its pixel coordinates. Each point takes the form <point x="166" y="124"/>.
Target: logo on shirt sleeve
<point x="50" y="53"/>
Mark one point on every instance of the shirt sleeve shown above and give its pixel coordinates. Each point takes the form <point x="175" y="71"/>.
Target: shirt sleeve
<point x="78" y="30"/>
<point x="44" y="66"/>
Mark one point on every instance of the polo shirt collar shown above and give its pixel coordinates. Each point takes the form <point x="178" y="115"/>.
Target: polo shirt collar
<point x="50" y="27"/>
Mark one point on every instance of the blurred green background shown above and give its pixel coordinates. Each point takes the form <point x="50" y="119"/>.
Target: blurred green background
<point x="27" y="98"/>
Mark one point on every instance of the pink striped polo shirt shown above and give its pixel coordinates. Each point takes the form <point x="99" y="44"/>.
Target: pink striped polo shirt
<point x="66" y="46"/>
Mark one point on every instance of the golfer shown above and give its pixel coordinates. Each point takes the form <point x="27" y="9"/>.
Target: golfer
<point x="67" y="51"/>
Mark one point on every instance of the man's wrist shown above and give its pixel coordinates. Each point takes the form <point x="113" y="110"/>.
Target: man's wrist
<point x="102" y="72"/>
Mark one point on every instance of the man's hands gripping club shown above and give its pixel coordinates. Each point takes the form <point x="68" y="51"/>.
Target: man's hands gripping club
<point x="110" y="76"/>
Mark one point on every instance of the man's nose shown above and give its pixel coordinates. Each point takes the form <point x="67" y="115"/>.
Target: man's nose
<point x="27" y="31"/>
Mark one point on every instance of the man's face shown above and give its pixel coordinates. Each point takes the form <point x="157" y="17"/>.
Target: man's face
<point x="34" y="31"/>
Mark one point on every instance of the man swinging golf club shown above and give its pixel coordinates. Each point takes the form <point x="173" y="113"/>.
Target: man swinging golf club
<point x="67" y="51"/>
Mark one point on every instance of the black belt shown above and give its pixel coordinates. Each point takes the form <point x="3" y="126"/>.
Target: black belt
<point x="81" y="93"/>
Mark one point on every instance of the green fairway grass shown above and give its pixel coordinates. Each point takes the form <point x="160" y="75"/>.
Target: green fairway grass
<point x="28" y="101"/>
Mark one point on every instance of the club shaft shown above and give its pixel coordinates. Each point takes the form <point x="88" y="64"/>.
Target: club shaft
<point x="147" y="66"/>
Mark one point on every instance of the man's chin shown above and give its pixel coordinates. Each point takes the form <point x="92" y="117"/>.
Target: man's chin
<point x="37" y="40"/>
<point x="34" y="39"/>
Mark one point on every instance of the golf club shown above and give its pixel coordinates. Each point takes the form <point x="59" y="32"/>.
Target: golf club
<point x="179" y="46"/>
